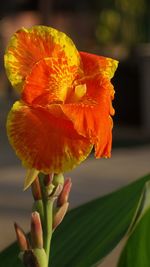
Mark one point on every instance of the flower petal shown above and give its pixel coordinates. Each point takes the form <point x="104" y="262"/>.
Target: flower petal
<point x="91" y="117"/>
<point x="95" y="69"/>
<point x="30" y="177"/>
<point x="44" y="139"/>
<point x="50" y="81"/>
<point x="28" y="46"/>
<point x="93" y="64"/>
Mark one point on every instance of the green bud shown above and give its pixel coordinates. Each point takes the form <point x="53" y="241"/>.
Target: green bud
<point x="58" y="179"/>
<point x="41" y="257"/>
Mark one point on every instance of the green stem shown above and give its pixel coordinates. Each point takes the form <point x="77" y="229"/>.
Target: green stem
<point x="48" y="212"/>
<point x="48" y="220"/>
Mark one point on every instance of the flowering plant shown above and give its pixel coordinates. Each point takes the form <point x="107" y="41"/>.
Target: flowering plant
<point x="65" y="101"/>
<point x="64" y="109"/>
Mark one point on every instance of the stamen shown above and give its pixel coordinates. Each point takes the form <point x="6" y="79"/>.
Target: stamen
<point x="80" y="90"/>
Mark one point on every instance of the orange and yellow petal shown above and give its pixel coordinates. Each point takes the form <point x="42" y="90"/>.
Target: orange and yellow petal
<point x="97" y="71"/>
<point x="49" y="81"/>
<point x="44" y="139"/>
<point x="28" y="46"/>
<point x="92" y="117"/>
<point x="94" y="64"/>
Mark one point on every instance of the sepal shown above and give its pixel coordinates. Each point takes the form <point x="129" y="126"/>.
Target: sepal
<point x="59" y="215"/>
<point x="36" y="189"/>
<point x="36" y="231"/>
<point x="64" y="196"/>
<point x="38" y="206"/>
<point x="21" y="237"/>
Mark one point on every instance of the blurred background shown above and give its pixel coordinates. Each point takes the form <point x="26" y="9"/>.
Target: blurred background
<point x="114" y="28"/>
<point x="119" y="29"/>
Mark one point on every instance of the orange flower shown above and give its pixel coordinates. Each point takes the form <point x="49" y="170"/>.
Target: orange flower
<point x="65" y="102"/>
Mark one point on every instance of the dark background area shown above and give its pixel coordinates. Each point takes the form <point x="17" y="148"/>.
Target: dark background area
<point x="119" y="29"/>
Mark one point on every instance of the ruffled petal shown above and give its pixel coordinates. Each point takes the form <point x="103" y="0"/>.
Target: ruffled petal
<point x="95" y="70"/>
<point x="91" y="117"/>
<point x="28" y="46"/>
<point x="44" y="139"/>
<point x="50" y="81"/>
<point x="93" y="64"/>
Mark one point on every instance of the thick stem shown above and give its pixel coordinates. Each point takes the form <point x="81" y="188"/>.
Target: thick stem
<point x="48" y="220"/>
<point x="46" y="217"/>
<point x="46" y="214"/>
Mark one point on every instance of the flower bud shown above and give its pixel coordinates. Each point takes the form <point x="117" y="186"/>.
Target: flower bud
<point x="36" y="189"/>
<point x="22" y="241"/>
<point x="63" y="198"/>
<point x="59" y="215"/>
<point x="36" y="231"/>
<point x="58" y="179"/>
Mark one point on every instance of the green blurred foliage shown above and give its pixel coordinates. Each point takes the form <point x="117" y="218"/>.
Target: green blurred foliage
<point x="123" y="22"/>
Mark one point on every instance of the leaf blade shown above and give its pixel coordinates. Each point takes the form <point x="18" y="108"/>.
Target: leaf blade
<point x="136" y="250"/>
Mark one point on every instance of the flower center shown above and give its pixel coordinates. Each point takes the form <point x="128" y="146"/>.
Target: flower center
<point x="80" y="90"/>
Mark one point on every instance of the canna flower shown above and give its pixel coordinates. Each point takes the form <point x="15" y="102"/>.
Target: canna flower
<point x="65" y="104"/>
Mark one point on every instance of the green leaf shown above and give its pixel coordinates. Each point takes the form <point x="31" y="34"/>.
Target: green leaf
<point x="9" y="257"/>
<point x="89" y="232"/>
<point x="136" y="252"/>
